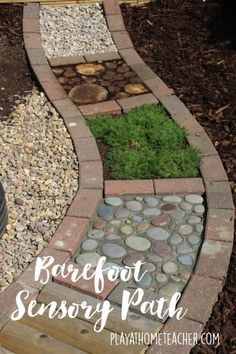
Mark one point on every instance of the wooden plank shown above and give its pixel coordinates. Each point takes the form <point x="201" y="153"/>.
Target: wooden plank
<point x="134" y="322"/>
<point x="22" y="339"/>
<point x="78" y="333"/>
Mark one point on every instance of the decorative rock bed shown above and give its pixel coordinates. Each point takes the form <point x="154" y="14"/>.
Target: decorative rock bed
<point x="3" y="211"/>
<point x="40" y="176"/>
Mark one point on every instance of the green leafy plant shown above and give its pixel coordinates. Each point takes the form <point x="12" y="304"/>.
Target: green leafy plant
<point x="146" y="143"/>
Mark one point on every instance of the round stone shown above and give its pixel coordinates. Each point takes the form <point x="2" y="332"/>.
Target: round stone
<point x="126" y="230"/>
<point x="151" y="212"/>
<point x="193" y="219"/>
<point x="199" y="209"/>
<point x="162" y="249"/>
<point x="88" y="257"/>
<point x="154" y="258"/>
<point x="128" y="222"/>
<point x="186" y="206"/>
<point x="185" y="230"/>
<point x="168" y="207"/>
<point x="138" y="243"/>
<point x="137" y="218"/>
<point x="170" y="288"/>
<point x="113" y="251"/>
<point x="194" y="240"/>
<point x="184" y="248"/>
<point x="139" y="199"/>
<point x="116" y="222"/>
<point x="130" y="259"/>
<point x="113" y="237"/>
<point x="109" y="229"/>
<point x="96" y="234"/>
<point x="134" y="205"/>
<point x="113" y="201"/>
<point x="175" y="239"/>
<point x="185" y="260"/>
<point x="113" y="266"/>
<point x="89" y="245"/>
<point x="170" y="268"/>
<point x="175" y="278"/>
<point x="99" y="224"/>
<point x="157" y="233"/>
<point x="161" y="278"/>
<point x="122" y="213"/>
<point x="150" y="267"/>
<point x="162" y="220"/>
<point x="105" y="212"/>
<point x="199" y="228"/>
<point x="178" y="214"/>
<point x="151" y="202"/>
<point x="145" y="281"/>
<point x="141" y="228"/>
<point x="172" y="199"/>
<point x="185" y="275"/>
<point x="194" y="199"/>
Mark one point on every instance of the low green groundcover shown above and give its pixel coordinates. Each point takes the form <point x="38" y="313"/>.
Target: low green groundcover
<point x="146" y="143"/>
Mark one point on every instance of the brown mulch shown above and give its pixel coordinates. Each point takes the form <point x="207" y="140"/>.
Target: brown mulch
<point x="15" y="76"/>
<point x="191" y="45"/>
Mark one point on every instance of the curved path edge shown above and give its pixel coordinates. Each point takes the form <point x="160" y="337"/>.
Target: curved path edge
<point x="212" y="265"/>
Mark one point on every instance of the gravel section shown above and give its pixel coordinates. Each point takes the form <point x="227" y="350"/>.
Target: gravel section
<point x="74" y="30"/>
<point x="164" y="232"/>
<point x="39" y="173"/>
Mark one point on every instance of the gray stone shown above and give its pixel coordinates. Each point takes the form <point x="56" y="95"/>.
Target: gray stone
<point x="200" y="209"/>
<point x="185" y="260"/>
<point x="161" y="278"/>
<point x="199" y="228"/>
<point x="184" y="248"/>
<point x="137" y="218"/>
<point x="151" y="212"/>
<point x="126" y="230"/>
<point x="96" y="234"/>
<point x="172" y="199"/>
<point x="116" y="267"/>
<point x="178" y="214"/>
<point x="136" y="243"/>
<point x="185" y="230"/>
<point x="116" y="222"/>
<point x="130" y="259"/>
<point x="150" y="267"/>
<point x="157" y="233"/>
<point x="170" y="268"/>
<point x="154" y="258"/>
<point x="186" y="206"/>
<point x="145" y="281"/>
<point x="170" y="288"/>
<point x="89" y="245"/>
<point x="139" y="199"/>
<point x="194" y="240"/>
<point x="175" y="239"/>
<point x="162" y="249"/>
<point x="193" y="219"/>
<point x="105" y="212"/>
<point x="113" y="237"/>
<point x="88" y="257"/>
<point x="134" y="205"/>
<point x="151" y="202"/>
<point x="113" y="201"/>
<point x="122" y="213"/>
<point x="194" y="199"/>
<point x="113" y="250"/>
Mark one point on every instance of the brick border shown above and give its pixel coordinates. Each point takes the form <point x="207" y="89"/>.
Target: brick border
<point x="218" y="240"/>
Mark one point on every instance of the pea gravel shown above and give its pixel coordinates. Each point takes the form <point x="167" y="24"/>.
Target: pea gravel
<point x="74" y="30"/>
<point x="39" y="172"/>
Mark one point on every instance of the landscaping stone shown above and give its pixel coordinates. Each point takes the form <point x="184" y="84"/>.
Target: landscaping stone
<point x="105" y="212"/>
<point x="157" y="233"/>
<point x="185" y="230"/>
<point x="162" y="249"/>
<point x="122" y="213"/>
<point x="96" y="234"/>
<point x="145" y="281"/>
<point x="200" y="209"/>
<point x="151" y="202"/>
<point x="138" y="243"/>
<point x="88" y="257"/>
<point x="194" y="199"/>
<point x="113" y="251"/>
<point x="186" y="206"/>
<point x="161" y="278"/>
<point x="126" y="230"/>
<point x="172" y="199"/>
<point x="170" y="268"/>
<point x="194" y="219"/>
<point x="162" y="220"/>
<point x="151" y="212"/>
<point x="113" y="201"/>
<point x="194" y="240"/>
<point x="185" y="260"/>
<point x="89" y="245"/>
<point x="130" y="259"/>
<point x="134" y="206"/>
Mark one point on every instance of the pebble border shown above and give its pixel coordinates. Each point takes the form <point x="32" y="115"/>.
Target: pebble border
<point x="211" y="269"/>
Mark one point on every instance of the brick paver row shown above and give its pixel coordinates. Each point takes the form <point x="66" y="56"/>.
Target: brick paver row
<point x="212" y="264"/>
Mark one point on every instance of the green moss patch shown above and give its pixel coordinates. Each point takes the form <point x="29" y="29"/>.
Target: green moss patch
<point x="146" y="143"/>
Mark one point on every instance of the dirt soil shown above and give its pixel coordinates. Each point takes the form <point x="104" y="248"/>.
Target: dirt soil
<point x="15" y="76"/>
<point x="191" y="45"/>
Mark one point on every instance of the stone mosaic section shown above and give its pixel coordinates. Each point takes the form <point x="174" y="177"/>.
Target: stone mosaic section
<point x="165" y="232"/>
<point x="99" y="81"/>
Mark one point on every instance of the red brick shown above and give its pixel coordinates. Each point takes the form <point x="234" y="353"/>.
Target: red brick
<point x="31" y="25"/>
<point x="219" y="195"/>
<point x="85" y="203"/>
<point x="87" y="286"/>
<point x="122" y="40"/>
<point x="77" y="129"/>
<point x="128" y="187"/>
<point x="31" y="10"/>
<point x="53" y="90"/>
<point x="67" y="60"/>
<point x="69" y="234"/>
<point x="102" y="56"/>
<point x="111" y="7"/>
<point x="214" y="259"/>
<point x="108" y="107"/>
<point x="143" y="71"/>
<point x="220" y="225"/>
<point x="8" y="301"/>
<point x="115" y="23"/>
<point x="130" y="56"/>
<point x="43" y="73"/>
<point x="174" y="326"/>
<point x="27" y="278"/>
<point x="212" y="169"/>
<point x="199" y="297"/>
<point x="136" y="101"/>
<point x="87" y="149"/>
<point x="158" y="87"/>
<point x="202" y="142"/>
<point x="36" y="56"/>
<point x="32" y="40"/>
<point x="91" y="175"/>
<point x="179" y="186"/>
<point x="67" y="109"/>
